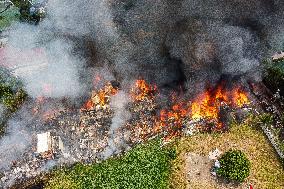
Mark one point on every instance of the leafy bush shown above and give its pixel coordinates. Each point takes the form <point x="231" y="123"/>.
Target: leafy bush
<point x="234" y="166"/>
<point x="11" y="93"/>
<point x="146" y="166"/>
<point x="274" y="76"/>
<point x="265" y="118"/>
<point x="12" y="96"/>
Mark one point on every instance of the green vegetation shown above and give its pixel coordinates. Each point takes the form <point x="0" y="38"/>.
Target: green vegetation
<point x="264" y="118"/>
<point x="146" y="166"/>
<point x="274" y="75"/>
<point x="8" y="17"/>
<point x="21" y="11"/>
<point x="12" y="96"/>
<point x="235" y="166"/>
<point x="11" y="93"/>
<point x="12" y="100"/>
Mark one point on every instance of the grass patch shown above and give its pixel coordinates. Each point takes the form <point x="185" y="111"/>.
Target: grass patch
<point x="146" y="166"/>
<point x="266" y="169"/>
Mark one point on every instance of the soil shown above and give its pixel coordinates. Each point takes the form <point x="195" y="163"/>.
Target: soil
<point x="198" y="169"/>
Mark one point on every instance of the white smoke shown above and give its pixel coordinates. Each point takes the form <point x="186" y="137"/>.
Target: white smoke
<point x="15" y="142"/>
<point x="121" y="115"/>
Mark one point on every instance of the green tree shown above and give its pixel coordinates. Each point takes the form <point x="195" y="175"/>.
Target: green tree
<point x="24" y="7"/>
<point x="235" y="166"/>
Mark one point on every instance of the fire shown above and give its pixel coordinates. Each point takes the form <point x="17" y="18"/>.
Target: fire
<point x="240" y="98"/>
<point x="181" y="112"/>
<point x="101" y="97"/>
<point x="89" y="105"/>
<point x="208" y="104"/>
<point x="142" y="90"/>
<point x="171" y="120"/>
<point x="205" y="107"/>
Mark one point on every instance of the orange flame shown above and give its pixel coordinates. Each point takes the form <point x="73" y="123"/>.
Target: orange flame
<point x="142" y="90"/>
<point x="204" y="107"/>
<point x="240" y="98"/>
<point x="89" y="105"/>
<point x="171" y="119"/>
<point x="100" y="97"/>
<point x="207" y="105"/>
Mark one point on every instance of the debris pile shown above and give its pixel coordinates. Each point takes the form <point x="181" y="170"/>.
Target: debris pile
<point x="69" y="135"/>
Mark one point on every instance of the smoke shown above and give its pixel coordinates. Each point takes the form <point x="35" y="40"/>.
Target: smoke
<point x="119" y="104"/>
<point x="161" y="41"/>
<point x="47" y="69"/>
<point x="226" y="37"/>
<point x="16" y="140"/>
<point x="2" y="110"/>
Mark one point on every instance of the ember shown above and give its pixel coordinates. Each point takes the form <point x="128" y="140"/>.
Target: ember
<point x="172" y="120"/>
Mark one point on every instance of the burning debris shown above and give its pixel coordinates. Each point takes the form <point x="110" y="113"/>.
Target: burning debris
<point x="86" y="134"/>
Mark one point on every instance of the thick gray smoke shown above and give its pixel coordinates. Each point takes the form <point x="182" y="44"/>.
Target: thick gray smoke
<point x="162" y="41"/>
<point x="48" y="70"/>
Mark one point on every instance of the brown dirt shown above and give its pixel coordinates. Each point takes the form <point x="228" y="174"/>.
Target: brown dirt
<point x="266" y="171"/>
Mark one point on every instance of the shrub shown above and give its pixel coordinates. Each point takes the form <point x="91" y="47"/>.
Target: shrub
<point x="12" y="99"/>
<point x="12" y="96"/>
<point x="8" y="17"/>
<point x="234" y="166"/>
<point x="274" y="76"/>
<point x="265" y="118"/>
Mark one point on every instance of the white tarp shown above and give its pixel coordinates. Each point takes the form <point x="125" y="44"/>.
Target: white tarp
<point x="43" y="142"/>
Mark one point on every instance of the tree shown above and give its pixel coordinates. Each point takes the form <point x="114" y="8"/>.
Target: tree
<point x="30" y="11"/>
<point x="235" y="166"/>
<point x="5" y="5"/>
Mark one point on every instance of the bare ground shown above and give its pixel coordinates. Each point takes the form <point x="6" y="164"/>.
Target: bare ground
<point x="192" y="168"/>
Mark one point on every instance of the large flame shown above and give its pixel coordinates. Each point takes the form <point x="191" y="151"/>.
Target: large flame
<point x="207" y="105"/>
